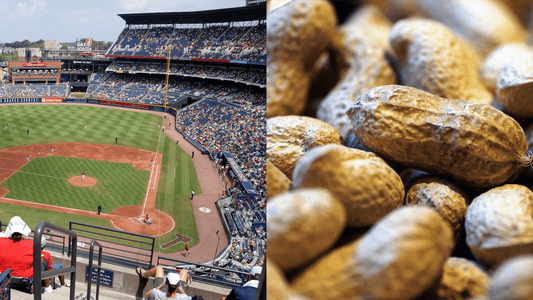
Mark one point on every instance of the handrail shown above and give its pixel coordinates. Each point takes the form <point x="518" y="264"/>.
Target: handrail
<point x="151" y="238"/>
<point x="242" y="275"/>
<point x="90" y="271"/>
<point x="38" y="274"/>
<point x="5" y="285"/>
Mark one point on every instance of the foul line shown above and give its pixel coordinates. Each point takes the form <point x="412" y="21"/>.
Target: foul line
<point x="148" y="187"/>
<point x="155" y="178"/>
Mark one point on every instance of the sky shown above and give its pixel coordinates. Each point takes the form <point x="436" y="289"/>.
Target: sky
<point x="97" y="19"/>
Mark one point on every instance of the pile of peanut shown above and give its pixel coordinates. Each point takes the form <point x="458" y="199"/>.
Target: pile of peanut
<point x="399" y="150"/>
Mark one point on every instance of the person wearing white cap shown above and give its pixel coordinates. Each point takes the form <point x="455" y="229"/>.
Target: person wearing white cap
<point x="16" y="253"/>
<point x="248" y="290"/>
<point x="174" y="286"/>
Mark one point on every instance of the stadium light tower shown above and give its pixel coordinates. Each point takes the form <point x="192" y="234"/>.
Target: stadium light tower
<point x="166" y="79"/>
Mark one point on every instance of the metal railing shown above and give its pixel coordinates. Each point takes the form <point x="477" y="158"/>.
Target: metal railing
<point x="91" y="266"/>
<point x="5" y="285"/>
<point x="38" y="274"/>
<point x="206" y="273"/>
<point x="121" y="253"/>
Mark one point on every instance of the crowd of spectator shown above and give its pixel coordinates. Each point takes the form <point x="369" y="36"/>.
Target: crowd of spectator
<point x="31" y="72"/>
<point x="214" y="42"/>
<point x="239" y="130"/>
<point x="34" y="90"/>
<point x="150" y="89"/>
<point x="249" y="75"/>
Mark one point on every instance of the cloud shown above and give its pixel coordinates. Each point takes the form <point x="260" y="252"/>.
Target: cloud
<point x="31" y="9"/>
<point x="134" y="4"/>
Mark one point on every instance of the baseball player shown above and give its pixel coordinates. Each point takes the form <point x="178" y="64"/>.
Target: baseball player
<point x="85" y="125"/>
<point x="159" y="125"/>
<point x="177" y="140"/>
<point x="187" y="253"/>
<point x="83" y="175"/>
<point x="169" y="123"/>
<point x="163" y="129"/>
<point x="27" y="157"/>
<point x="52" y="149"/>
<point x="5" y="127"/>
<point x="192" y="194"/>
<point x="152" y="163"/>
<point x="192" y="156"/>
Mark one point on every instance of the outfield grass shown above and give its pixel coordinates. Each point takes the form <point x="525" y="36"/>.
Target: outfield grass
<point x="65" y="123"/>
<point x="44" y="180"/>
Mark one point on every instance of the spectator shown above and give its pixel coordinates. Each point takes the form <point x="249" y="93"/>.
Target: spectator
<point x="49" y="266"/>
<point x="248" y="290"/>
<point x="173" y="287"/>
<point x="16" y="253"/>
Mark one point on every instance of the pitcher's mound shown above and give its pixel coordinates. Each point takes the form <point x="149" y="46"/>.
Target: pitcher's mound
<point x="76" y="180"/>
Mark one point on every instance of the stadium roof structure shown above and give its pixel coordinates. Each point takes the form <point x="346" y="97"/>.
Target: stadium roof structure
<point x="237" y="14"/>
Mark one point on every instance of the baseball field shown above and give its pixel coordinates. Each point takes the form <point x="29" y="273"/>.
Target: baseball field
<point x="114" y="150"/>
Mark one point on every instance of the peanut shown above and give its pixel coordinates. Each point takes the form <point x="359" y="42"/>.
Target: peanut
<point x="298" y="32"/>
<point x="497" y="60"/>
<point x="277" y="181"/>
<point x="513" y="280"/>
<point x="277" y="285"/>
<point x="442" y="195"/>
<point x="461" y="279"/>
<point x="399" y="258"/>
<point x="499" y="224"/>
<point x="474" y="144"/>
<point x="363" y="65"/>
<point x="485" y="24"/>
<point x="298" y="217"/>
<point x="289" y="137"/>
<point x="363" y="182"/>
<point x="514" y="87"/>
<point x="433" y="59"/>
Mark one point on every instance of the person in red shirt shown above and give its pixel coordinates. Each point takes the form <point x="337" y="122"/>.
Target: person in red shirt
<point x="187" y="253"/>
<point x="83" y="175"/>
<point x="16" y="253"/>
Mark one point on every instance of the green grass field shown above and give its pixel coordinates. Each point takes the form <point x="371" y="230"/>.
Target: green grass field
<point x="65" y="123"/>
<point x="44" y="180"/>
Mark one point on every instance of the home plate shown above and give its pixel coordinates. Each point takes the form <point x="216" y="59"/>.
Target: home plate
<point x="204" y="210"/>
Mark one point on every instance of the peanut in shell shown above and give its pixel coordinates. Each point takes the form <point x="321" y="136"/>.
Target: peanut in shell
<point x="302" y="225"/>
<point x="363" y="182"/>
<point x="471" y="143"/>
<point x="289" y="137"/>
<point x="401" y="256"/>
<point x="499" y="224"/>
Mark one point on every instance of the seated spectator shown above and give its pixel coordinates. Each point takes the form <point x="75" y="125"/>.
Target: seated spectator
<point x="16" y="253"/>
<point x="49" y="266"/>
<point x="173" y="287"/>
<point x="248" y="290"/>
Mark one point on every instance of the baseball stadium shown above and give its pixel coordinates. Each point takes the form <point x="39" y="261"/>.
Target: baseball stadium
<point x="149" y="156"/>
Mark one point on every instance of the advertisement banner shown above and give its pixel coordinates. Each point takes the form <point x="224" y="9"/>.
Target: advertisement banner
<point x="20" y="100"/>
<point x="28" y="64"/>
<point x="125" y="104"/>
<point x="75" y="100"/>
<point x="51" y="100"/>
<point x="93" y="101"/>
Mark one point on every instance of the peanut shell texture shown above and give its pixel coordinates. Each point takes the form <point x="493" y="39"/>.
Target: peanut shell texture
<point x="289" y="137"/>
<point x="499" y="224"/>
<point x="302" y="225"/>
<point x="363" y="182"/>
